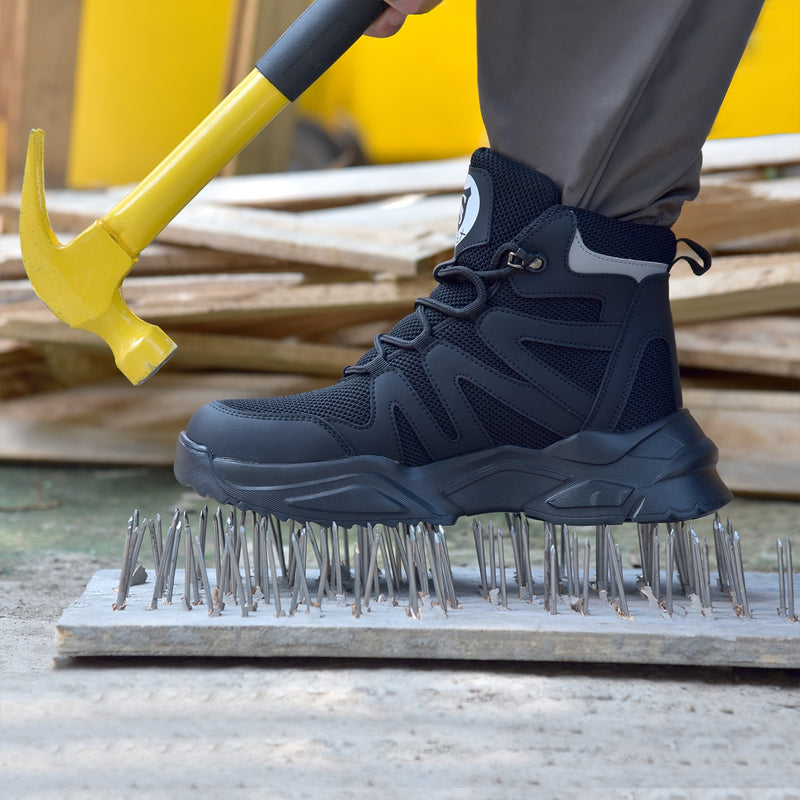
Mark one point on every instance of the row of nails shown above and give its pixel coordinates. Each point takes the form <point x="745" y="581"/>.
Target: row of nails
<point x="417" y="557"/>
<point x="414" y="555"/>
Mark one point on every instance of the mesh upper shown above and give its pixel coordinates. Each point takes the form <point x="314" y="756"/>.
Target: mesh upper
<point x="581" y="366"/>
<point x="503" y="424"/>
<point x="652" y="394"/>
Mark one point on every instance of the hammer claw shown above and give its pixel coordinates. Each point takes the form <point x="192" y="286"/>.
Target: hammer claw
<point x="80" y="281"/>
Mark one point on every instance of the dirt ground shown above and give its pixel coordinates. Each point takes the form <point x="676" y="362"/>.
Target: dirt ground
<point x="311" y="728"/>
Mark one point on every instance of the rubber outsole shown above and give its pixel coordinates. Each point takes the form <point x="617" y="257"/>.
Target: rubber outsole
<point x="663" y="472"/>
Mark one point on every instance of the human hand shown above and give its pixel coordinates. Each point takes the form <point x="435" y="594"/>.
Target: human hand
<point x="392" y="19"/>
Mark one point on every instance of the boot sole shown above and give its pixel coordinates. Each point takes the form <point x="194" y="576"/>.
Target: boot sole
<point x="663" y="472"/>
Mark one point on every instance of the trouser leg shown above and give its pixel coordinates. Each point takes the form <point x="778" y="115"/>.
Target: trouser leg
<point x="613" y="99"/>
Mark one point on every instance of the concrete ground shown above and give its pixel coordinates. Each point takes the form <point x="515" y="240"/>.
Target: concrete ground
<point x="323" y="728"/>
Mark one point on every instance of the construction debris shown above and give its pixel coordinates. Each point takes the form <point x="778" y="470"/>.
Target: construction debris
<point x="271" y="284"/>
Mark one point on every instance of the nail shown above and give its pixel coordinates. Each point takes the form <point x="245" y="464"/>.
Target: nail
<point x="372" y="569"/>
<point x="447" y="569"/>
<point x="236" y="576"/>
<point x="587" y="554"/>
<point x="392" y="581"/>
<point x="740" y="568"/>
<point x="670" y="556"/>
<point x="477" y="534"/>
<point x="218" y="529"/>
<point x="201" y="561"/>
<point x="526" y="553"/>
<point x="277" y="533"/>
<point x="492" y="567"/>
<point x="301" y="546"/>
<point x="122" y="586"/>
<point x="553" y="581"/>
<point x="188" y="571"/>
<point x="273" y="571"/>
<point x="173" y="556"/>
<point x="548" y="574"/>
<point x="248" y="583"/>
<point x="357" y="581"/>
<point x="502" y="558"/>
<point x="413" y="599"/>
<point x="617" y="565"/>
<point x="336" y="559"/>
<point x="655" y="560"/>
<point x="789" y="582"/>
<point x="437" y="584"/>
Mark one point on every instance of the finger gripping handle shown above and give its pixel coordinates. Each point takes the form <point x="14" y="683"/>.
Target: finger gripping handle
<point x="325" y="31"/>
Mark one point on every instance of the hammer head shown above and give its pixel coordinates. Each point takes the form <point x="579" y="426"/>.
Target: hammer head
<point x="80" y="281"/>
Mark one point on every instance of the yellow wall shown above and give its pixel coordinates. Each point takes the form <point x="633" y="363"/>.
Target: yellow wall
<point x="431" y="110"/>
<point x="149" y="70"/>
<point x="764" y="96"/>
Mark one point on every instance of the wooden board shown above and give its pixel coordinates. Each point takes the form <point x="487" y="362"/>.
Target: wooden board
<point x="362" y="243"/>
<point x="759" y="345"/>
<point x="780" y="149"/>
<point x="38" y="52"/>
<point x="115" y="423"/>
<point x="161" y="259"/>
<point x="727" y="210"/>
<point x="736" y="286"/>
<point x="275" y="302"/>
<point x="478" y="630"/>
<point x="758" y="436"/>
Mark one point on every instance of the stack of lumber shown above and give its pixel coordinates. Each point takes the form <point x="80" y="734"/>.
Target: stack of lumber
<point x="271" y="284"/>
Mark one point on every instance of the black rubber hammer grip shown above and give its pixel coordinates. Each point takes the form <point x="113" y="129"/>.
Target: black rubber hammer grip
<point x="319" y="36"/>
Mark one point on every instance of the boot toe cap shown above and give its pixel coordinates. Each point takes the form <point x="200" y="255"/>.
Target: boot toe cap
<point x="228" y="432"/>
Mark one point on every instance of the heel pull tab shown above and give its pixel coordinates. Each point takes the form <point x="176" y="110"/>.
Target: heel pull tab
<point x="705" y="257"/>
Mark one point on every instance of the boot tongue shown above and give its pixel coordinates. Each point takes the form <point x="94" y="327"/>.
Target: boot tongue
<point x="500" y="198"/>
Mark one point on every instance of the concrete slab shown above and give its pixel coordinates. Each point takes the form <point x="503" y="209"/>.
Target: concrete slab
<point x="477" y="631"/>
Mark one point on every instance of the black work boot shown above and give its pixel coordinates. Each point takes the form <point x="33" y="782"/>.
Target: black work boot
<point x="539" y="377"/>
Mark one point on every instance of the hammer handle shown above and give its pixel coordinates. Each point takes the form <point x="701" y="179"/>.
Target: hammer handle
<point x="319" y="36"/>
<point x="313" y="42"/>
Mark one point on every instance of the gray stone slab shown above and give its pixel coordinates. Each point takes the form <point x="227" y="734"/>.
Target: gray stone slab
<point x="478" y="630"/>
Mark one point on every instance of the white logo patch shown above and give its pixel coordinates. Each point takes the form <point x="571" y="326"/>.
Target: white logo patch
<point x="470" y="206"/>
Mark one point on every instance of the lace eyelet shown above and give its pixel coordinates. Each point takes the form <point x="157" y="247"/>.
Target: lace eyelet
<point x="521" y="259"/>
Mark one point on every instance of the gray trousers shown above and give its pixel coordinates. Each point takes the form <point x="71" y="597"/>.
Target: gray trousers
<point x="612" y="99"/>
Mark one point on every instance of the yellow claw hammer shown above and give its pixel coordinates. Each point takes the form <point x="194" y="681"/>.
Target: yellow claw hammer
<point x="80" y="281"/>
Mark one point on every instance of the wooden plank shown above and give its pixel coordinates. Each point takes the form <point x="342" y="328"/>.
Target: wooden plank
<point x="758" y="436"/>
<point x="115" y="423"/>
<point x="202" y="350"/>
<point x="158" y="259"/>
<point x="726" y="210"/>
<point x="780" y="149"/>
<point x="231" y="301"/>
<point x="327" y="188"/>
<point x="365" y="245"/>
<point x="400" y="251"/>
<point x="38" y="80"/>
<point x="475" y="631"/>
<point x="251" y="354"/>
<point x="296" y="191"/>
<point x="737" y="286"/>
<point x="767" y="345"/>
